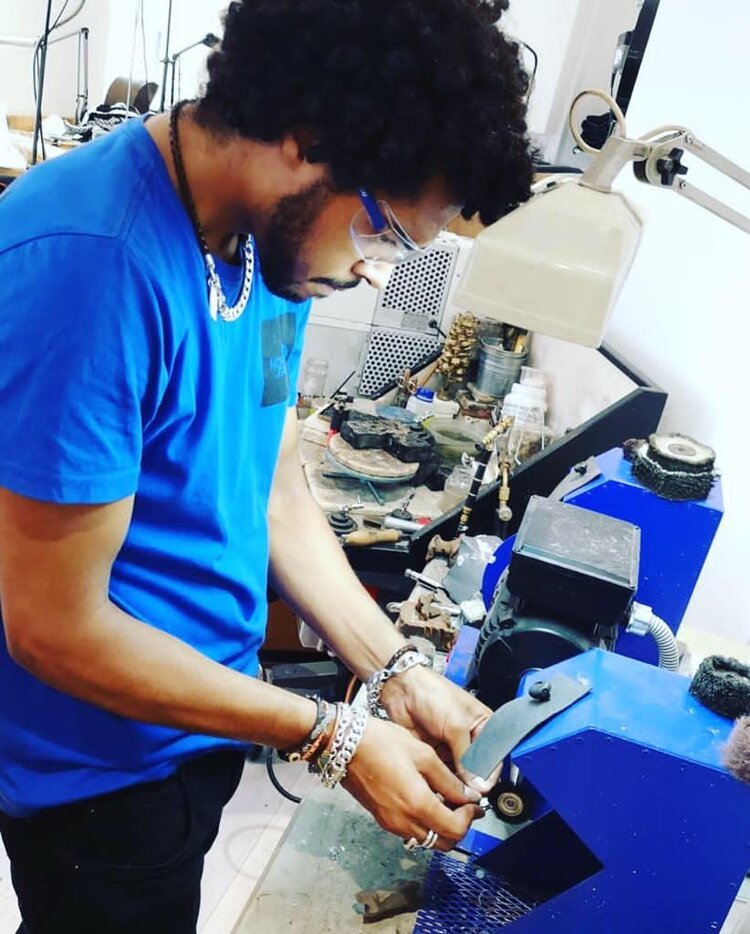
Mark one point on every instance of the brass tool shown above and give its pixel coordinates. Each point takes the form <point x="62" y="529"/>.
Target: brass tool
<point x="485" y="450"/>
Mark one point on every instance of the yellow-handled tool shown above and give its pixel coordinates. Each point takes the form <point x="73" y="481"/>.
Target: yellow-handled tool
<point x="364" y="537"/>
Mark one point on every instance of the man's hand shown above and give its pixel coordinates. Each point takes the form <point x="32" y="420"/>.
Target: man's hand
<point x="438" y="712"/>
<point x="406" y="787"/>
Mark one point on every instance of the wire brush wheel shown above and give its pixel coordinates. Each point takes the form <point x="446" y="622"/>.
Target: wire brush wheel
<point x="737" y="752"/>
<point x="723" y="685"/>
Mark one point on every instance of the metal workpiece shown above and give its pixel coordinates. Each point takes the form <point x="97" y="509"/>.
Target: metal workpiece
<point x="403" y="525"/>
<point x="428" y="582"/>
<point x="450" y="609"/>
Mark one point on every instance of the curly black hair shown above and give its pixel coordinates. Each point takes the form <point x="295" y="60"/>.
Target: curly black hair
<point x="393" y="93"/>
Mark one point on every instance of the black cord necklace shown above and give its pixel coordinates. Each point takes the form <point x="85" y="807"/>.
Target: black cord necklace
<point x="217" y="303"/>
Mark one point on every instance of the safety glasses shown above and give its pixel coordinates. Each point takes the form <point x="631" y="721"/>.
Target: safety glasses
<point x="377" y="235"/>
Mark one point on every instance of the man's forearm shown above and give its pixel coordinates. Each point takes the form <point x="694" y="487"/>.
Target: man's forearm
<point x="134" y="670"/>
<point x="310" y="570"/>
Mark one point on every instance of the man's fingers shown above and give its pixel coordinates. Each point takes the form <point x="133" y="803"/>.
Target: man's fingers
<point x="451" y="788"/>
<point x="459" y="739"/>
<point x="451" y="824"/>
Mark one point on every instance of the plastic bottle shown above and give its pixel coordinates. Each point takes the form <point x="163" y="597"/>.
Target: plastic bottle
<point x="421" y="403"/>
<point x="530" y="376"/>
<point x="527" y="406"/>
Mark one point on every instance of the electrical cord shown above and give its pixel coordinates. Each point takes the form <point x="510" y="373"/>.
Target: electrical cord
<point x="39" y="65"/>
<point x="619" y="118"/>
<point x="58" y="18"/>
<point x="665" y="128"/>
<point x="532" y="77"/>
<point x="274" y="780"/>
<point x="613" y="106"/>
<point x="143" y="43"/>
<point x="59" y="23"/>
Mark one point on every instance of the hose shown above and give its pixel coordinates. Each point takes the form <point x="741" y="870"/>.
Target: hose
<point x="669" y="655"/>
<point x="643" y="620"/>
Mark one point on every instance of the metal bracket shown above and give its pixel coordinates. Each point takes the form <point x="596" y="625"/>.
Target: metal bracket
<point x="513" y="722"/>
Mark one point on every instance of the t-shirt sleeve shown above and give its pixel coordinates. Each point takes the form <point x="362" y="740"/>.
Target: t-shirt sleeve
<point x="80" y="353"/>
<point x="295" y="355"/>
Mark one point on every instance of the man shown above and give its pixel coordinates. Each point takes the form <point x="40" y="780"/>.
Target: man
<point x="154" y="290"/>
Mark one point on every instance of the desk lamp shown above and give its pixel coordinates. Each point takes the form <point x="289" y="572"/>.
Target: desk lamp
<point x="556" y="264"/>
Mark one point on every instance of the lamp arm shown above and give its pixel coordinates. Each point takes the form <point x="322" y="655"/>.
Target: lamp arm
<point x="657" y="161"/>
<point x="662" y="166"/>
<point x="611" y="159"/>
<point x="186" y="49"/>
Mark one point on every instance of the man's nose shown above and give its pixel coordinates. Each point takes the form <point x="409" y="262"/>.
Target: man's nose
<point x="375" y="274"/>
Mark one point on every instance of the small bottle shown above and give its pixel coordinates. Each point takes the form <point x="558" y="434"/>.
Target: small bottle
<point x="311" y="386"/>
<point x="421" y="403"/>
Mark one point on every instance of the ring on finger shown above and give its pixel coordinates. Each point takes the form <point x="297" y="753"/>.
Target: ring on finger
<point x="428" y="843"/>
<point x="430" y="840"/>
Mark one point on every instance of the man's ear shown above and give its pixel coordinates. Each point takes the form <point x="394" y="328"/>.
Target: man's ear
<point x="300" y="145"/>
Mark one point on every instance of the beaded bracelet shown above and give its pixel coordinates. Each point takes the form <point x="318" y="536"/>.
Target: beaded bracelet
<point x="407" y="657"/>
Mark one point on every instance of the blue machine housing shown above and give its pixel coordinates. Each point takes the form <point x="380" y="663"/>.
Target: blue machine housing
<point x="641" y="827"/>
<point x="675" y="541"/>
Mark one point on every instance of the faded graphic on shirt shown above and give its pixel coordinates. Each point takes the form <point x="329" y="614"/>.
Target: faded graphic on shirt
<point x="277" y="337"/>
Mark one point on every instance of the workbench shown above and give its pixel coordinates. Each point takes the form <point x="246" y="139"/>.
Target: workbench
<point x="332" y="849"/>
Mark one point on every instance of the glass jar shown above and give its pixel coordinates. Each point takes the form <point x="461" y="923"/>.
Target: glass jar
<point x="457" y="486"/>
<point x="314" y="377"/>
<point x="527" y="433"/>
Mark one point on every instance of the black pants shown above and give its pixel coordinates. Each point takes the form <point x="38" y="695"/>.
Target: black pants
<point x="123" y="863"/>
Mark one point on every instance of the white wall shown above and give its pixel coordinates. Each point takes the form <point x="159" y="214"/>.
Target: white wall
<point x="575" y="41"/>
<point x="191" y="20"/>
<point x="115" y="41"/>
<point x="683" y="316"/>
<point x="26" y="18"/>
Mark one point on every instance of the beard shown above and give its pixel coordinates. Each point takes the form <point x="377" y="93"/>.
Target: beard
<point x="288" y="229"/>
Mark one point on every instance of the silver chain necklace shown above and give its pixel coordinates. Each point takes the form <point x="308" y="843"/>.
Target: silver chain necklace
<point x="217" y="301"/>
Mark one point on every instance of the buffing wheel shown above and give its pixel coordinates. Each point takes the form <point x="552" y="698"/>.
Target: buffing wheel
<point x="673" y="466"/>
<point x="723" y="685"/>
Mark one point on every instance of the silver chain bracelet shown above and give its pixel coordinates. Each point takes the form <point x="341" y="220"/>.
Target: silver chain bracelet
<point x="376" y="681"/>
<point x="350" y="729"/>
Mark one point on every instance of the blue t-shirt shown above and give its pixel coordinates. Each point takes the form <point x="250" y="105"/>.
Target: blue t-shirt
<point x="114" y="380"/>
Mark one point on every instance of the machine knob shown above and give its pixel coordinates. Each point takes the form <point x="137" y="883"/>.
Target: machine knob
<point x="540" y="690"/>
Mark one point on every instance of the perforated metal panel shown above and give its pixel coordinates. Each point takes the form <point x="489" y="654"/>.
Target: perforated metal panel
<point x="460" y="898"/>
<point x="389" y="352"/>
<point x="418" y="290"/>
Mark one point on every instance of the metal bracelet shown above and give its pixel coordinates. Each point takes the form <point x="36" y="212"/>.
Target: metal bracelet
<point x="334" y="769"/>
<point x="376" y="681"/>
<point x="343" y="722"/>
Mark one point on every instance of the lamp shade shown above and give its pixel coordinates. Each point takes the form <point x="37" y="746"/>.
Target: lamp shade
<point x="556" y="264"/>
